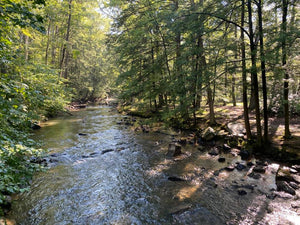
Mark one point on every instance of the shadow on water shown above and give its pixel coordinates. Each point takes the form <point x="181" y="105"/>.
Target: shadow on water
<point x="111" y="175"/>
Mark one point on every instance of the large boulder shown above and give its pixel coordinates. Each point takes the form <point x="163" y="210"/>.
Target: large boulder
<point x="285" y="187"/>
<point x="208" y="134"/>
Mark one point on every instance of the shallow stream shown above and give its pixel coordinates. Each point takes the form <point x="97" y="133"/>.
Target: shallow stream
<point x="102" y="172"/>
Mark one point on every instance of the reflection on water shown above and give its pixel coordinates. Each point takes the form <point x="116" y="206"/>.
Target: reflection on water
<point x="129" y="183"/>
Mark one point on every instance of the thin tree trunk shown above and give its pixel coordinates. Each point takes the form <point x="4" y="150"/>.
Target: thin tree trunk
<point x="263" y="70"/>
<point x="64" y="60"/>
<point x="233" y="74"/>
<point x="244" y="75"/>
<point x="48" y="43"/>
<point x="53" y="50"/>
<point x="254" y="75"/>
<point x="287" y="132"/>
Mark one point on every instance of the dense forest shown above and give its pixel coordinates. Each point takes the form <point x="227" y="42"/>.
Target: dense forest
<point x="172" y="60"/>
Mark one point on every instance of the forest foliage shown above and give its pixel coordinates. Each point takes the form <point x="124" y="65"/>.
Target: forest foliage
<point x="179" y="56"/>
<point x="51" y="53"/>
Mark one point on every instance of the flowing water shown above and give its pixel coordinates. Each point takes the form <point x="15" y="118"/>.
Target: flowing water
<point x="102" y="172"/>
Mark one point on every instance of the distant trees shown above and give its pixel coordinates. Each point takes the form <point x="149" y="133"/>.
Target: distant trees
<point x="173" y="52"/>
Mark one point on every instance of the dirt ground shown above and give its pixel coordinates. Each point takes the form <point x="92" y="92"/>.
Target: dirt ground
<point x="227" y="114"/>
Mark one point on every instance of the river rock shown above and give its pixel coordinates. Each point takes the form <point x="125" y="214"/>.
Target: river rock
<point x="174" y="150"/>
<point x="242" y="192"/>
<point x="236" y="129"/>
<point x="295" y="205"/>
<point x="208" y="134"/>
<point x="174" y="178"/>
<point x="250" y="164"/>
<point x="259" y="169"/>
<point x="214" y="151"/>
<point x="226" y="147"/>
<point x="245" y="155"/>
<point x="234" y="152"/>
<point x="35" y="126"/>
<point x="255" y="176"/>
<point x="285" y="187"/>
<point x="284" y="174"/>
<point x="294" y="185"/>
<point x="240" y="167"/>
<point x="221" y="159"/>
<point x="229" y="168"/>
<point x="296" y="167"/>
<point x="106" y="151"/>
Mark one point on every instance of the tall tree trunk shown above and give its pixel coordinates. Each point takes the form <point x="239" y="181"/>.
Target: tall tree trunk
<point x="233" y="74"/>
<point x="64" y="58"/>
<point x="254" y="75"/>
<point x="48" y="43"/>
<point x="53" y="47"/>
<point x="179" y="72"/>
<point x="287" y="132"/>
<point x="244" y="75"/>
<point x="263" y="70"/>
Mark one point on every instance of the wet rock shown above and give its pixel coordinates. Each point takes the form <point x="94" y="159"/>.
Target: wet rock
<point x="214" y="151"/>
<point x="35" y="126"/>
<point x="174" y="150"/>
<point x="296" y="167"/>
<point x="208" y="134"/>
<point x="235" y="152"/>
<point x="295" y="205"/>
<point x="284" y="174"/>
<point x="255" y="176"/>
<point x="82" y="134"/>
<point x="271" y="196"/>
<point x="54" y="155"/>
<point x="229" y="168"/>
<point x="174" y="178"/>
<point x="245" y="155"/>
<point x="93" y="154"/>
<point x="39" y="160"/>
<point x="259" y="169"/>
<point x="242" y="192"/>
<point x="250" y="164"/>
<point x="226" y="147"/>
<point x="294" y="185"/>
<point x="221" y="159"/>
<point x="240" y="167"/>
<point x="293" y="171"/>
<point x="285" y="187"/>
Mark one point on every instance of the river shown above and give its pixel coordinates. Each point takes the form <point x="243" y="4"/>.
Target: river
<point x="103" y="172"/>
